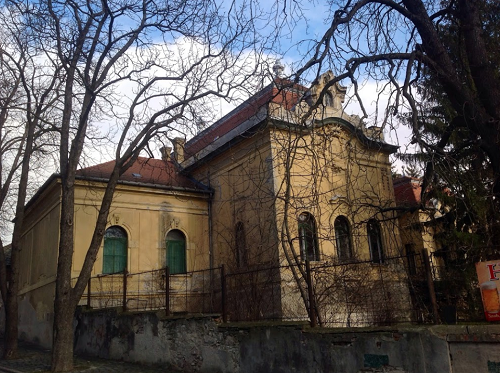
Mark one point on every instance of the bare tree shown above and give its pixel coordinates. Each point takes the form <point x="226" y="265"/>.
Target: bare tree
<point x="427" y="54"/>
<point x="12" y="147"/>
<point x="27" y="99"/>
<point x="398" y="44"/>
<point x="146" y="68"/>
<point x="405" y="47"/>
<point x="334" y="184"/>
<point x="294" y="191"/>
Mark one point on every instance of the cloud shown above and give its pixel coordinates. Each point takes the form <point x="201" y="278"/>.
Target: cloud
<point x="149" y="80"/>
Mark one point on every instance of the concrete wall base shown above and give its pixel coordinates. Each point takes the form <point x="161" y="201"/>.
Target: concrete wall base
<point x="204" y="345"/>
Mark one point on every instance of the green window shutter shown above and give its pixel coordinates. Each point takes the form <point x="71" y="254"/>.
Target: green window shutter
<point x="115" y="255"/>
<point x="120" y="254"/>
<point x="176" y="256"/>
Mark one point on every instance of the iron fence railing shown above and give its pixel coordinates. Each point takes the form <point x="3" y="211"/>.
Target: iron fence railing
<point x="350" y="294"/>
<point x="191" y="292"/>
<point x="343" y="294"/>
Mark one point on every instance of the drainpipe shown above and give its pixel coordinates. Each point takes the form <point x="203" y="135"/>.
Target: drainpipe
<point x="210" y="232"/>
<point x="210" y="239"/>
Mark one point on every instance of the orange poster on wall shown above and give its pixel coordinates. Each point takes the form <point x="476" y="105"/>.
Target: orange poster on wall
<point x="488" y="274"/>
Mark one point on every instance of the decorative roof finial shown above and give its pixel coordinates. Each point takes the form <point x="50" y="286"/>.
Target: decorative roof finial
<point x="278" y="69"/>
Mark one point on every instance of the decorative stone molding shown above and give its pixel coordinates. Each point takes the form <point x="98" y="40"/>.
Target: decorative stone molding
<point x="174" y="223"/>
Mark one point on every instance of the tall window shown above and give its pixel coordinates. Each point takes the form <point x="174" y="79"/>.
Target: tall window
<point x="343" y="238"/>
<point x="240" y="244"/>
<point x="115" y="250"/>
<point x="410" y="255"/>
<point x="308" y="239"/>
<point x="176" y="251"/>
<point x="375" y="241"/>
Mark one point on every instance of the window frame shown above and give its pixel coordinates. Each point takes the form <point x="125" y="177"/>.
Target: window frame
<point x="373" y="231"/>
<point x="308" y="238"/>
<point x="113" y="263"/>
<point x="341" y="222"/>
<point x="240" y="245"/>
<point x="176" y="265"/>
<point x="411" y="258"/>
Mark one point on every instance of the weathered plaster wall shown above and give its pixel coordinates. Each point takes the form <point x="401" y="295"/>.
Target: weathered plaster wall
<point x="241" y="178"/>
<point x="146" y="214"/>
<point x="203" y="345"/>
<point x="36" y="316"/>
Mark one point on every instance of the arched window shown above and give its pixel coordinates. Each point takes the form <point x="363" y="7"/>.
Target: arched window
<point x="343" y="238"/>
<point x="240" y="245"/>
<point x="115" y="250"/>
<point x="410" y="255"/>
<point x="375" y="241"/>
<point x="308" y="239"/>
<point x="176" y="251"/>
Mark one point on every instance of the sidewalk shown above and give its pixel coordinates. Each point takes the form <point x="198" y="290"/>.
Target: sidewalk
<point x="35" y="359"/>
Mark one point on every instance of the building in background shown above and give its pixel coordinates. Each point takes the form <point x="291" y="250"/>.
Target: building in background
<point x="419" y="225"/>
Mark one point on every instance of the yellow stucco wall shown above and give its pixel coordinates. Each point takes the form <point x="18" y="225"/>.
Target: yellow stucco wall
<point x="40" y="240"/>
<point x="418" y="230"/>
<point x="267" y="179"/>
<point x="326" y="173"/>
<point x="332" y="174"/>
<point x="242" y="180"/>
<point x="147" y="215"/>
<point x="38" y="258"/>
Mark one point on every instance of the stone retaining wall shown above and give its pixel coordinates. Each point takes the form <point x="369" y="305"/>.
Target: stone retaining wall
<point x="205" y="345"/>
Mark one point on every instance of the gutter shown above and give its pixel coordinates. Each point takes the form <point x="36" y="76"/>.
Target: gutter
<point x="54" y="177"/>
<point x="145" y="185"/>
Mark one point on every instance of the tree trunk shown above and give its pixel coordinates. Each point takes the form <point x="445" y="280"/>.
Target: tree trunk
<point x="11" y="327"/>
<point x="3" y="288"/>
<point x="12" y="304"/>
<point x="62" y="348"/>
<point x="64" y="305"/>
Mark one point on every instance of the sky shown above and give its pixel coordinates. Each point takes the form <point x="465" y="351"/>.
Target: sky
<point x="301" y="26"/>
<point x="297" y="30"/>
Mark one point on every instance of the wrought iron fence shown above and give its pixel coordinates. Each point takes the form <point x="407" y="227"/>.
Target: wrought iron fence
<point x="191" y="292"/>
<point x="253" y="295"/>
<point x="349" y="294"/>
<point x="345" y="294"/>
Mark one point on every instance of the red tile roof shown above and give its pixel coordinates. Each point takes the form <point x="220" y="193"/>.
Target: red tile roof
<point x="145" y="171"/>
<point x="407" y="191"/>
<point x="281" y="91"/>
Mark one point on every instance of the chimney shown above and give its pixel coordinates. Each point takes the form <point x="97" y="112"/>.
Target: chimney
<point x="178" y="143"/>
<point x="278" y="69"/>
<point x="165" y="153"/>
